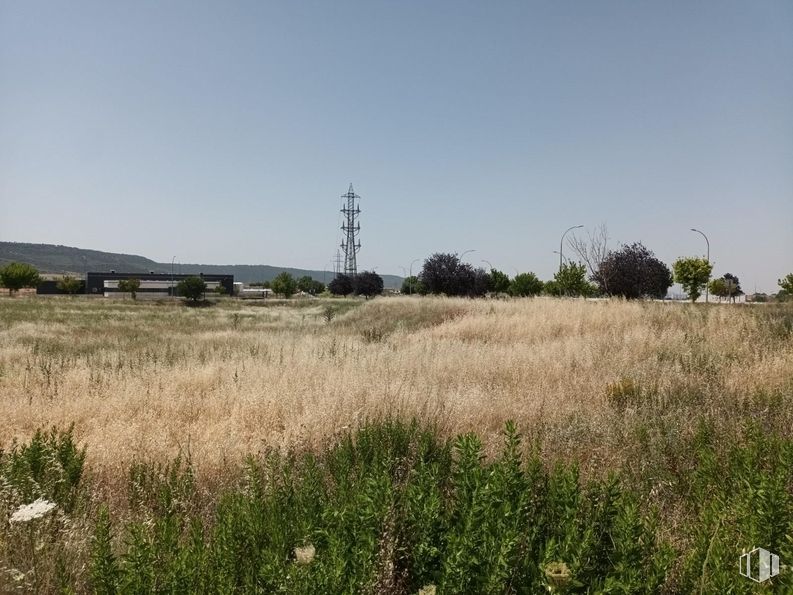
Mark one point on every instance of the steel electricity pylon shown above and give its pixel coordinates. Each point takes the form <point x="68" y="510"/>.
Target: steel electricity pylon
<point x="351" y="227"/>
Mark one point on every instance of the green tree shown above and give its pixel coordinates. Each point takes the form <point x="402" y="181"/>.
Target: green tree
<point x="412" y="285"/>
<point x="786" y="285"/>
<point x="447" y="274"/>
<point x="525" y="285"/>
<point x="499" y="282"/>
<point x="570" y="280"/>
<point x="692" y="274"/>
<point x="308" y="285"/>
<point x="728" y="287"/>
<point x="341" y="285"/>
<point x="68" y="284"/>
<point x="284" y="284"/>
<point x="16" y="275"/>
<point x="130" y="286"/>
<point x="367" y="283"/>
<point x="192" y="288"/>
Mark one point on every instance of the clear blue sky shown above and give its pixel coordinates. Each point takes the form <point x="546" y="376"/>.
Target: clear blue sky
<point x="224" y="132"/>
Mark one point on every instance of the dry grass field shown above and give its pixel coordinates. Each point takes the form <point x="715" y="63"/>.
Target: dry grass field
<point x="144" y="381"/>
<point x="690" y="406"/>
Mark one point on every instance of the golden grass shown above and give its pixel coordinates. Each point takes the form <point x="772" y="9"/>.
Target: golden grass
<point x="146" y="381"/>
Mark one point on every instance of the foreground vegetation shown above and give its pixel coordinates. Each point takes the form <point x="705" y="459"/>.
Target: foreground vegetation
<point x="274" y="448"/>
<point x="393" y="508"/>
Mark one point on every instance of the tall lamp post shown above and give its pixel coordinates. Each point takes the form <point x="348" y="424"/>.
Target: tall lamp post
<point x="410" y="275"/>
<point x="707" y="258"/>
<point x="488" y="263"/>
<point x="410" y="269"/>
<point x="561" y="243"/>
<point x="466" y="252"/>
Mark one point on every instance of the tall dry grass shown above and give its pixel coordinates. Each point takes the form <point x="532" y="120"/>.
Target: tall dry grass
<point x="146" y="381"/>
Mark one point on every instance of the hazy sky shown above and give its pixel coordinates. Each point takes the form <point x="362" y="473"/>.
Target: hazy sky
<point x="224" y="132"/>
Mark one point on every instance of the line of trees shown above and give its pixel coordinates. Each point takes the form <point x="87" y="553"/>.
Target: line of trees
<point x="631" y="272"/>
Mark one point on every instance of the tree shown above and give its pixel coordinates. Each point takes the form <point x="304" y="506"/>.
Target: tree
<point x="446" y="274"/>
<point x="570" y="280"/>
<point x="284" y="284"/>
<point x="692" y="273"/>
<point x="341" y="285"/>
<point x="593" y="251"/>
<point x="130" y="286"/>
<point x="525" y="285"/>
<point x="728" y="287"/>
<point x="192" y="288"/>
<point x="68" y="284"/>
<point x="307" y="285"/>
<point x="633" y="272"/>
<point x="411" y="285"/>
<point x="786" y="285"/>
<point x="16" y="275"/>
<point x="499" y="282"/>
<point x="368" y="283"/>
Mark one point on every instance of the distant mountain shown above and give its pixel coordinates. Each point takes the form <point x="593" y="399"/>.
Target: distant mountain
<point x="50" y="258"/>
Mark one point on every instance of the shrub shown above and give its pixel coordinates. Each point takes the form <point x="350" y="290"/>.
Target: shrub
<point x="525" y="285"/>
<point x="68" y="284"/>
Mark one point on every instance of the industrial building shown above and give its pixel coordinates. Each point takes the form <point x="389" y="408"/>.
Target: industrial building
<point x="152" y="284"/>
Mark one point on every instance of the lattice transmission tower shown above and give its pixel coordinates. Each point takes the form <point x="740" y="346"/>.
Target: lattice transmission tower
<point x="351" y="226"/>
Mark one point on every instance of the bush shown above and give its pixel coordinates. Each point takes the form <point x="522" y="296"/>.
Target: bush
<point x="499" y="282"/>
<point x="50" y="466"/>
<point x="525" y="285"/>
<point x="570" y="280"/>
<point x="68" y="284"/>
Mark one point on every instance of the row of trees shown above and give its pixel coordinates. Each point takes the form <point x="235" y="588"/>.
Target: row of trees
<point x="631" y="272"/>
<point x="446" y="274"/>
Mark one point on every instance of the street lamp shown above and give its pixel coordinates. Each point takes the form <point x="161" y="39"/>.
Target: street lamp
<point x="561" y="243"/>
<point x="466" y="252"/>
<point x="707" y="258"/>
<point x="488" y="263"/>
<point x="411" y="266"/>
<point x="561" y="255"/>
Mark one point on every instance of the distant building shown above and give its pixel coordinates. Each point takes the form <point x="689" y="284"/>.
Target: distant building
<point x="152" y="284"/>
